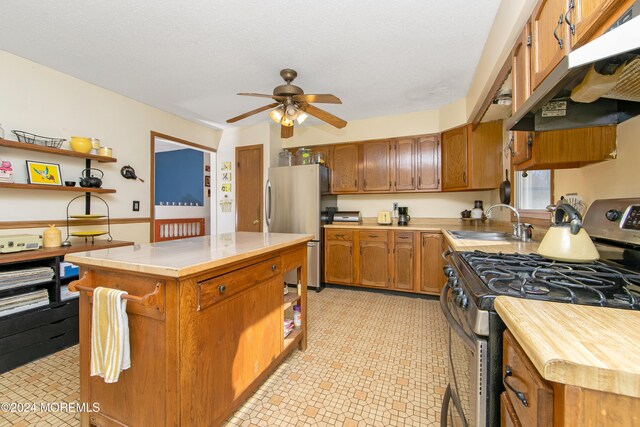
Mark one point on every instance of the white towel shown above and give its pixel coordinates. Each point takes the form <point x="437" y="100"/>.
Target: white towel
<point x="109" y="334"/>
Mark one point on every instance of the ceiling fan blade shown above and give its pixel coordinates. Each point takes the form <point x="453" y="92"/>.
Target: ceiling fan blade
<point x="323" y="98"/>
<point x="325" y="116"/>
<point x="252" y="112"/>
<point x="263" y="95"/>
<point x="286" y="131"/>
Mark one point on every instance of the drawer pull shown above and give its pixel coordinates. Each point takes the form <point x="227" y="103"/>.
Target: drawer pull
<point x="222" y="288"/>
<point x="273" y="267"/>
<point x="373" y="235"/>
<point x="339" y="235"/>
<point x="519" y="394"/>
<point x="403" y="237"/>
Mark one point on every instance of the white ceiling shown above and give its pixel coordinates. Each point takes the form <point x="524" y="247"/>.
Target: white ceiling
<point x="191" y="57"/>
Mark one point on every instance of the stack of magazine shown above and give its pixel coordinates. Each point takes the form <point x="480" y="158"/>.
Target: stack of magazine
<point x="25" y="277"/>
<point x="22" y="302"/>
<point x="288" y="327"/>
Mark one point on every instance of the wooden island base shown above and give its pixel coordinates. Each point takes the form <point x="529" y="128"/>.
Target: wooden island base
<point x="203" y="343"/>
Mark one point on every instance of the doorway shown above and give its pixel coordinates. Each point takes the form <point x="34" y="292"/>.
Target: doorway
<point x="249" y="213"/>
<point x="181" y="185"/>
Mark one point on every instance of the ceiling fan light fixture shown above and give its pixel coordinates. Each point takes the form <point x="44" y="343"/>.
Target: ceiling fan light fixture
<point x="302" y="116"/>
<point x="286" y="122"/>
<point x="291" y="112"/>
<point x="277" y="114"/>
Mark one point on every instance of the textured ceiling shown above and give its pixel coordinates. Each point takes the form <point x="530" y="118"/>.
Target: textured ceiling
<point x="192" y="57"/>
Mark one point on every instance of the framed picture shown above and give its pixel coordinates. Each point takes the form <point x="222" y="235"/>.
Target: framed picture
<point x="226" y="176"/>
<point x="207" y="168"/>
<point x="43" y="173"/>
<point x="226" y="188"/>
<point x="226" y="166"/>
<point x="207" y="181"/>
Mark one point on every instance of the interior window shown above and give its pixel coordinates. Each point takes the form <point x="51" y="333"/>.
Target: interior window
<point x="534" y="190"/>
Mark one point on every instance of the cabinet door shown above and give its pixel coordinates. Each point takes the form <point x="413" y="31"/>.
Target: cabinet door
<point x="428" y="162"/>
<point x="376" y="169"/>
<point x="455" y="159"/>
<point x="431" y="276"/>
<point x="521" y="146"/>
<point x="486" y="171"/>
<point x="508" y="416"/>
<point x="520" y="69"/>
<point x="344" y="178"/>
<point x="338" y="267"/>
<point x="548" y="38"/>
<point x="403" y="261"/>
<point x="586" y="16"/>
<point x="256" y="324"/>
<point x="374" y="263"/>
<point x="405" y="149"/>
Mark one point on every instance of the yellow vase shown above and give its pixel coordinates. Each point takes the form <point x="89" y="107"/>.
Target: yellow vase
<point x="51" y="237"/>
<point x="80" y="144"/>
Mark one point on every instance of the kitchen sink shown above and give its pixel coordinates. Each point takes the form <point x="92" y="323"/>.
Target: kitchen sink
<point x="481" y="235"/>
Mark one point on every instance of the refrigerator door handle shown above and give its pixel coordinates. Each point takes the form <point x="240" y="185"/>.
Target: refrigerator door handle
<point x="267" y="202"/>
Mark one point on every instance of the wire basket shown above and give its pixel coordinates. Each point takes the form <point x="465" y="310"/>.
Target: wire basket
<point x="31" y="138"/>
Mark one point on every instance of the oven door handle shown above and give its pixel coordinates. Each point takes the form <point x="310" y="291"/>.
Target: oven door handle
<point x="466" y="339"/>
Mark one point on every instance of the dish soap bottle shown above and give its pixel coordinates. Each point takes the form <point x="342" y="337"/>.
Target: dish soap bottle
<point x="477" y="211"/>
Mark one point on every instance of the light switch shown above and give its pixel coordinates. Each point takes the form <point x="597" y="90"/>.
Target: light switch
<point x="136" y="205"/>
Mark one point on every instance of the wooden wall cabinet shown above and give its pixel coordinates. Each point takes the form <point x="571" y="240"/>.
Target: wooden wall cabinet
<point x="586" y="16"/>
<point x="428" y="162"/>
<point x="431" y="263"/>
<point x="345" y="173"/>
<point x="472" y="158"/>
<point x="338" y="248"/>
<point x="563" y="149"/>
<point x="405" y="164"/>
<point x="374" y="259"/>
<point x="521" y="69"/>
<point x="377" y="166"/>
<point x="549" y="38"/>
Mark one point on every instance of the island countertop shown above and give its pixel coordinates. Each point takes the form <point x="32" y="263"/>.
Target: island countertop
<point x="580" y="345"/>
<point x="179" y="258"/>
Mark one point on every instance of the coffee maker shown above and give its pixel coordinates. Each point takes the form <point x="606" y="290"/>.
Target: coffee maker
<point x="403" y="216"/>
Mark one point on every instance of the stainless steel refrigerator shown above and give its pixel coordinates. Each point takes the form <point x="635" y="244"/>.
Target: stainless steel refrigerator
<point x="294" y="198"/>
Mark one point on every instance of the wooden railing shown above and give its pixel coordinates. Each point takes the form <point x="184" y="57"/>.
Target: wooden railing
<point x="177" y="228"/>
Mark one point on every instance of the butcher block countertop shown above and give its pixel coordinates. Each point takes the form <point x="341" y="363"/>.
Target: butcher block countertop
<point x="445" y="224"/>
<point x="179" y="258"/>
<point x="585" y="346"/>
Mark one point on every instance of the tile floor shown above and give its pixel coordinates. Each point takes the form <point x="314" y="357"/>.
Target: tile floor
<point x="373" y="360"/>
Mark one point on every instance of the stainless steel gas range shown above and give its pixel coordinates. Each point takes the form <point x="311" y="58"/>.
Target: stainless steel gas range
<point x="474" y="279"/>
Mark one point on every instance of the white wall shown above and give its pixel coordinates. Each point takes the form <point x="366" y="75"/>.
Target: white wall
<point x="40" y="100"/>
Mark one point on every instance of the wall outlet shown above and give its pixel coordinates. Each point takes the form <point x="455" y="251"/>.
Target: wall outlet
<point x="395" y="206"/>
<point x="136" y="205"/>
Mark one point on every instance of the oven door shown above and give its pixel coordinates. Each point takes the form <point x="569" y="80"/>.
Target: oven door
<point x="465" y="404"/>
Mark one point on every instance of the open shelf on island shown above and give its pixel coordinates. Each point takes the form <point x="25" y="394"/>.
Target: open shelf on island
<point x="291" y="299"/>
<point x="293" y="338"/>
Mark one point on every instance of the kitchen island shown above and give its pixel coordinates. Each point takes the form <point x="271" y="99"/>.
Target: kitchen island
<point x="205" y="332"/>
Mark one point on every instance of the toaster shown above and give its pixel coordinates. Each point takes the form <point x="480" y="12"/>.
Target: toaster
<point x="384" y="218"/>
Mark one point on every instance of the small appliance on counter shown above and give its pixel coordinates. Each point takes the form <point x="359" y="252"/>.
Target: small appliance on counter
<point x="20" y="242"/>
<point x="478" y="210"/>
<point x="403" y="215"/>
<point x="567" y="240"/>
<point x="384" y="218"/>
<point x="347" y="217"/>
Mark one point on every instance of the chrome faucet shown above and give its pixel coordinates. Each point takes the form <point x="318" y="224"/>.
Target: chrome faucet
<point x="518" y="229"/>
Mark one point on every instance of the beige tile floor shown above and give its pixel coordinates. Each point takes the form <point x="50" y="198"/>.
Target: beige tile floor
<point x="373" y="360"/>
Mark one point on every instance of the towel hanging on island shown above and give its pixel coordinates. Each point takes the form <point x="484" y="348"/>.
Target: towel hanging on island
<point x="109" y="334"/>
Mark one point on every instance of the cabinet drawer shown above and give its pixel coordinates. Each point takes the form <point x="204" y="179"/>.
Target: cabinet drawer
<point x="36" y="335"/>
<point x="34" y="319"/>
<point x="339" y="235"/>
<point x="373" y="236"/>
<point x="403" y="237"/>
<point x="222" y="287"/>
<point x="520" y="376"/>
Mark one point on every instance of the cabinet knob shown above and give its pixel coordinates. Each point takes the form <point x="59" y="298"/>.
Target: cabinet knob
<point x="222" y="288"/>
<point x="273" y="267"/>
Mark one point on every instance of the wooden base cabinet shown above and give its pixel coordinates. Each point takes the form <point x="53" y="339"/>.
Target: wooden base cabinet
<point x="403" y="261"/>
<point x="339" y="265"/>
<point x="431" y="263"/>
<point x="554" y="404"/>
<point x="374" y="259"/>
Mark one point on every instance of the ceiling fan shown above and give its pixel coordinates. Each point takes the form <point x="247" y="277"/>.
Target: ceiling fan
<point x="293" y="104"/>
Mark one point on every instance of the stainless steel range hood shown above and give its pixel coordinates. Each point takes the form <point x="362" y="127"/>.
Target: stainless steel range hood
<point x="550" y="107"/>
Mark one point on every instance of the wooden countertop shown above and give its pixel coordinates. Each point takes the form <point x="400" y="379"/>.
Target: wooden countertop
<point x="585" y="346"/>
<point x="445" y="224"/>
<point x="178" y="258"/>
<point x="62" y="250"/>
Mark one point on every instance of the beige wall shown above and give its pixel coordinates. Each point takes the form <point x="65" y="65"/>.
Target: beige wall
<point x="612" y="179"/>
<point x="40" y="100"/>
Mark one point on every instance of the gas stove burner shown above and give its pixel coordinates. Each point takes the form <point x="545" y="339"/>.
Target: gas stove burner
<point x="531" y="276"/>
<point x="529" y="288"/>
